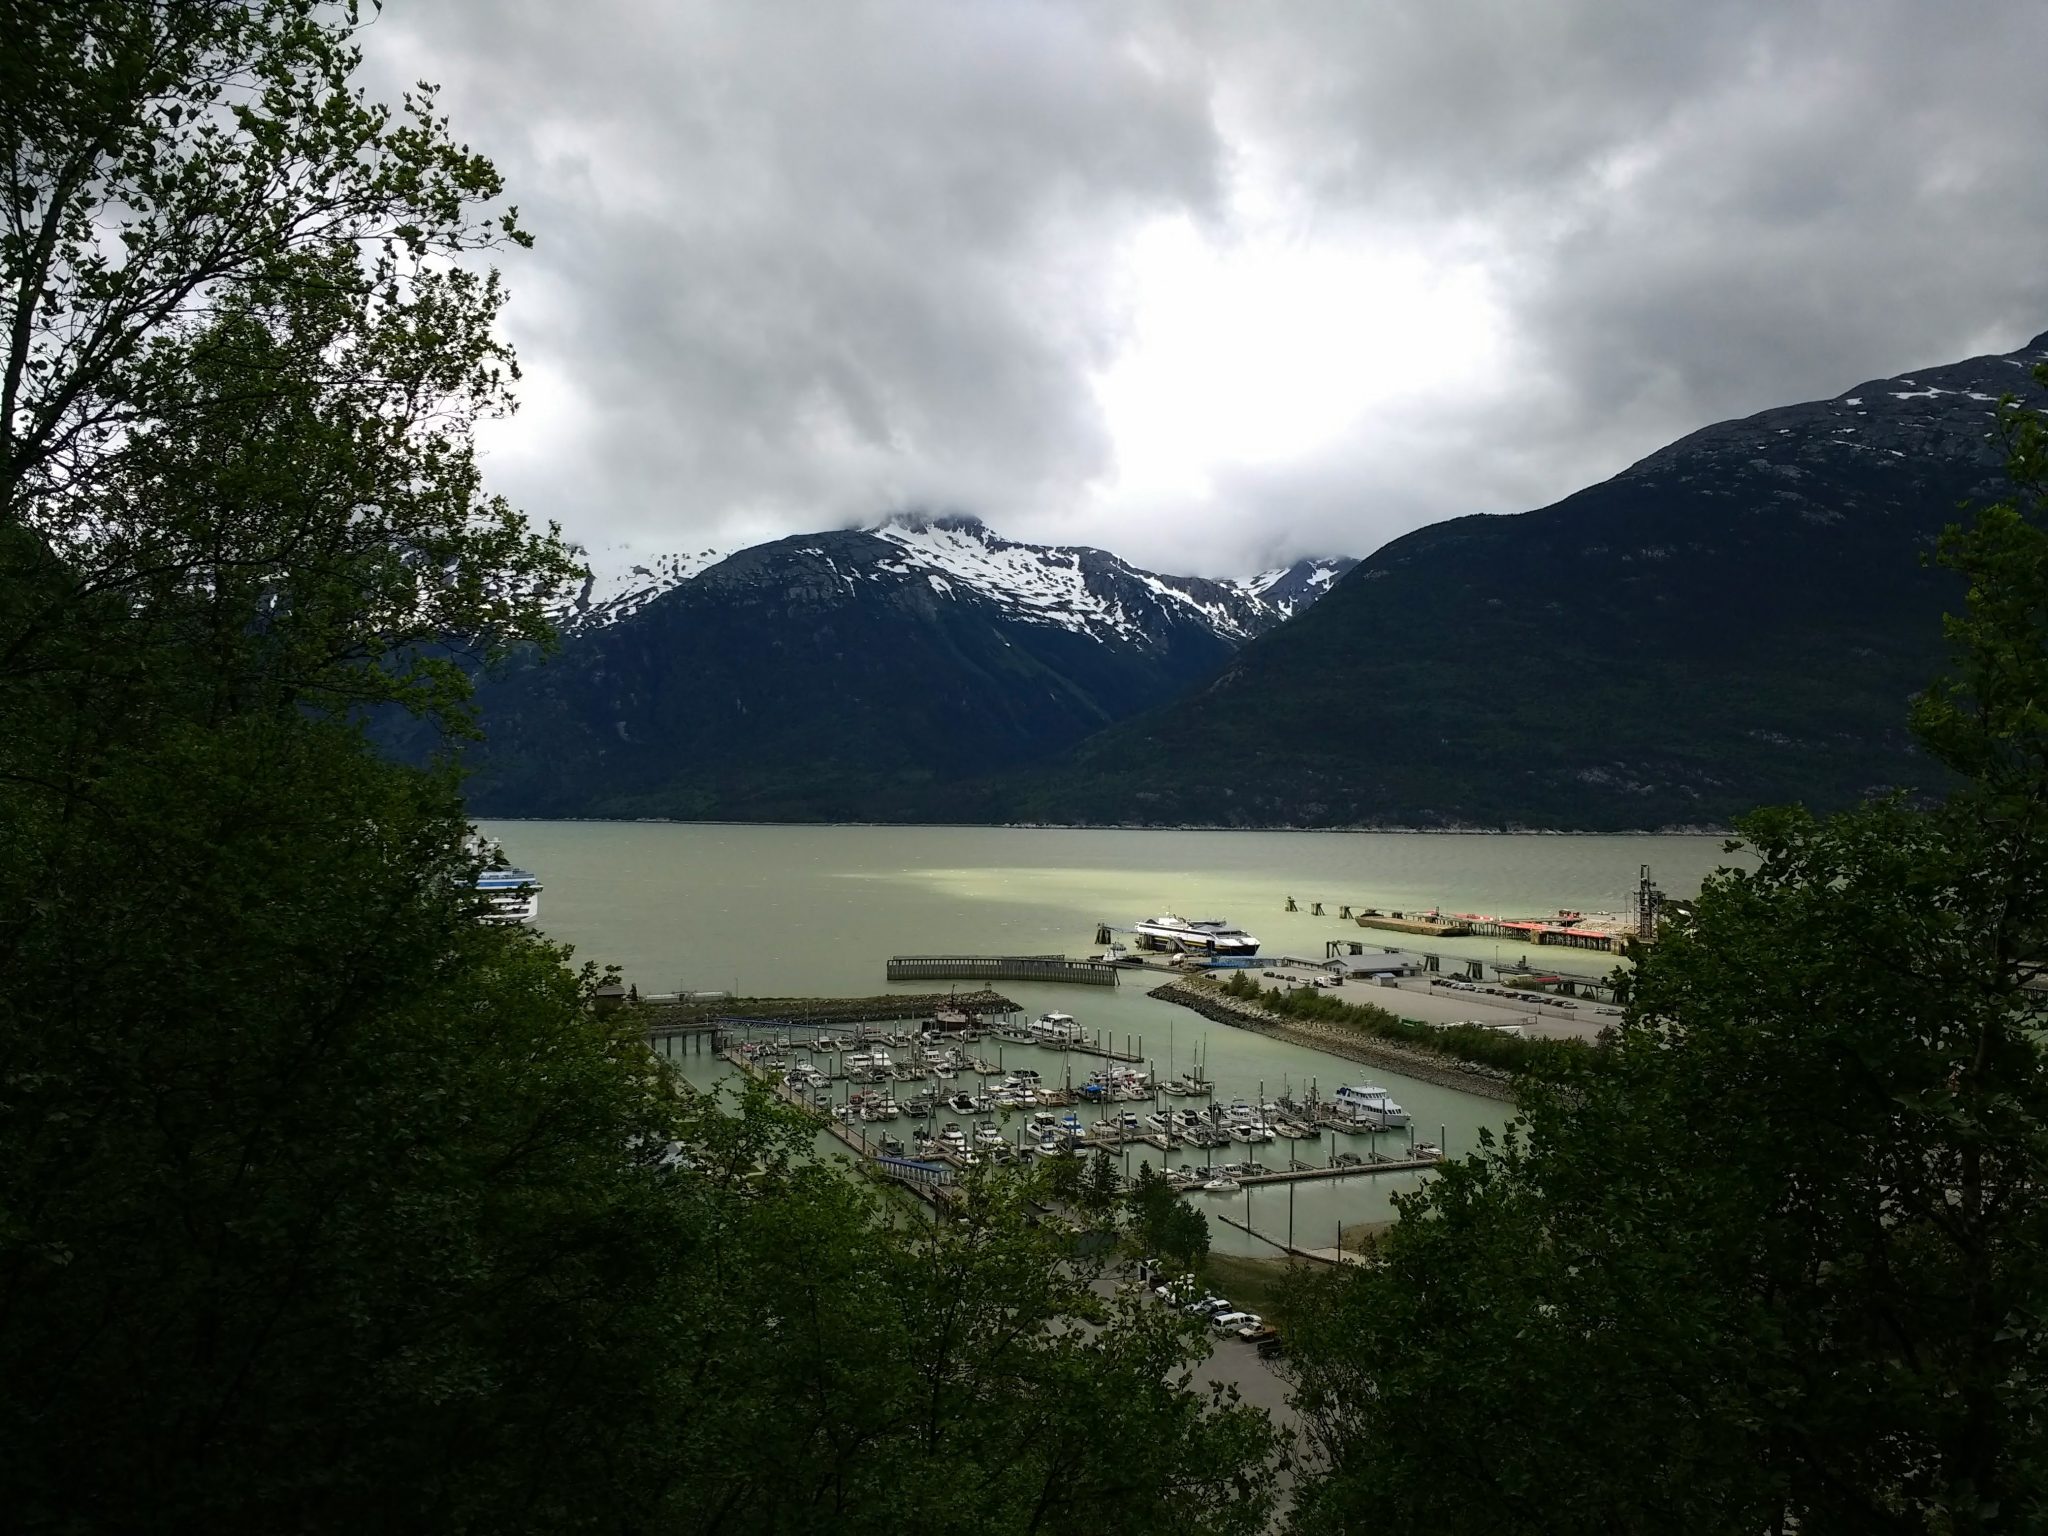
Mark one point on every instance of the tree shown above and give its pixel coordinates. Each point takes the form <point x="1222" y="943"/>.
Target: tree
<point x="323" y="1205"/>
<point x="1782" y="1264"/>
<point x="1163" y="1223"/>
<point x="1100" y="1185"/>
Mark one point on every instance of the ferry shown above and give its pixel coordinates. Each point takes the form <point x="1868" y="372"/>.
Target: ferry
<point x="1370" y="1106"/>
<point x="510" y="895"/>
<point x="1201" y="936"/>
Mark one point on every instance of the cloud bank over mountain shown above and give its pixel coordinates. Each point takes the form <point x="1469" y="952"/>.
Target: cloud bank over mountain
<point x="1209" y="284"/>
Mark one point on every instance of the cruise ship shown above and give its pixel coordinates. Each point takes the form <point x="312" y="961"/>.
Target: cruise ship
<point x="510" y="895"/>
<point x="1202" y="936"/>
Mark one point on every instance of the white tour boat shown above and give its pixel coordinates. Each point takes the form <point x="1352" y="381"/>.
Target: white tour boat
<point x="1369" y="1105"/>
<point x="1200" y="936"/>
<point x="510" y="895"/>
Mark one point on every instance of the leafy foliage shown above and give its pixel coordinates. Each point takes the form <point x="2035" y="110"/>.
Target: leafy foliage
<point x="1164" y="1225"/>
<point x="324" y="1206"/>
<point x="1783" y="1262"/>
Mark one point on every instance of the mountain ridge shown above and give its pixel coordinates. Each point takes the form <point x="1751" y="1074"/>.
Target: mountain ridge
<point x="1738" y="618"/>
<point x="855" y="673"/>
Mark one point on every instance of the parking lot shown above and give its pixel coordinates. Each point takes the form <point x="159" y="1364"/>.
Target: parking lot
<point x="1457" y="1001"/>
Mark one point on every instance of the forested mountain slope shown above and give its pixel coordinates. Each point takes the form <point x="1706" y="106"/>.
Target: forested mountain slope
<point x="1739" y="618"/>
<point x="853" y="675"/>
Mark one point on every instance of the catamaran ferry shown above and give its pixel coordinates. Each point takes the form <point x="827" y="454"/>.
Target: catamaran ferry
<point x="510" y="895"/>
<point x="1202" y="936"/>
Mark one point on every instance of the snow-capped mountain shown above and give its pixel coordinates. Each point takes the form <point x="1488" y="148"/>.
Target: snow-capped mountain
<point x="1081" y="589"/>
<point x="623" y="580"/>
<point x="1288" y="589"/>
<point x="850" y="674"/>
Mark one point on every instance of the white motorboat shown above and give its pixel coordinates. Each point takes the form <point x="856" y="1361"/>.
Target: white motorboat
<point x="1221" y="1186"/>
<point x="1055" y="1029"/>
<point x="1369" y="1106"/>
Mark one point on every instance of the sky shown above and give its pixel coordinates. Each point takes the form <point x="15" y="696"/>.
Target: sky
<point x="1211" y="283"/>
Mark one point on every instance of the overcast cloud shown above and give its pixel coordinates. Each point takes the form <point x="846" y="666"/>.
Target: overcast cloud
<point x="1213" y="284"/>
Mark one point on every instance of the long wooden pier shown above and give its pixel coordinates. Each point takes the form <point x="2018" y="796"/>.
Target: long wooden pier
<point x="1095" y="973"/>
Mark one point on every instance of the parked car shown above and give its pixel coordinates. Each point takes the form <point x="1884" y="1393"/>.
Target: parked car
<point x="1230" y="1322"/>
<point x="1270" y="1347"/>
<point x="1208" y="1306"/>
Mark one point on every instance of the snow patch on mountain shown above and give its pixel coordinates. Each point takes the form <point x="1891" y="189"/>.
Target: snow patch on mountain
<point x="1288" y="589"/>
<point x="1084" y="590"/>
<point x="623" y="580"/>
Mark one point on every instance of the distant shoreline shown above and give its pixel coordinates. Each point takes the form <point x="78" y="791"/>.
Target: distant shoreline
<point x="1109" y="826"/>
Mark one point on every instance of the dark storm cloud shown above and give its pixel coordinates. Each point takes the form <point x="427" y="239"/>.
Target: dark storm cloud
<point x="800" y="263"/>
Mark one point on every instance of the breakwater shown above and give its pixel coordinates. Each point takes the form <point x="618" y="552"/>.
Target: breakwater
<point x="1093" y="973"/>
<point x="1337" y="1040"/>
<point x="818" y="1012"/>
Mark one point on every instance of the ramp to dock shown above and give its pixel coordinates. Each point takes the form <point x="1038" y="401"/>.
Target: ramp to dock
<point x="1095" y="973"/>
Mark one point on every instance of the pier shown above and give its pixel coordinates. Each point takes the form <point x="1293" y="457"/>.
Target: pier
<point x="1093" y="973"/>
<point x="1343" y="1171"/>
<point x="687" y="1016"/>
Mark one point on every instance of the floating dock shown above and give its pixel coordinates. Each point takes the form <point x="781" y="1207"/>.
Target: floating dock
<point x="1095" y="973"/>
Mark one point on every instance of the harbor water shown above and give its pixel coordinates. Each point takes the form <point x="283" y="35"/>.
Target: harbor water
<point x="817" y="911"/>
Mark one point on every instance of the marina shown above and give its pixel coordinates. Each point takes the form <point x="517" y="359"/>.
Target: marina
<point x="931" y="1163"/>
<point x="801" y="914"/>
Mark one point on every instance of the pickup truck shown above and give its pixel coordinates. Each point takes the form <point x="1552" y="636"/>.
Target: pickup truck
<point x="1267" y="1341"/>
